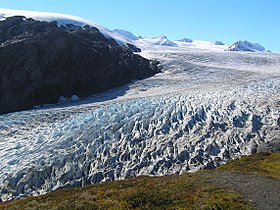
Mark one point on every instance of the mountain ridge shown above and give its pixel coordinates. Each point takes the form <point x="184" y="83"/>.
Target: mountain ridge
<point x="40" y="62"/>
<point x="124" y="37"/>
<point x="246" y="46"/>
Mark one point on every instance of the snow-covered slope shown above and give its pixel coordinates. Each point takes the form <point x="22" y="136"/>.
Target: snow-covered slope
<point x="199" y="44"/>
<point x="246" y="46"/>
<point x="126" y="34"/>
<point x="155" y="41"/>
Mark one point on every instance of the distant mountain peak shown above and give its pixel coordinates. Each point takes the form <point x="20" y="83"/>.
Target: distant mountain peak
<point x="188" y="40"/>
<point x="246" y="46"/>
<point x="163" y="41"/>
<point x="218" y="43"/>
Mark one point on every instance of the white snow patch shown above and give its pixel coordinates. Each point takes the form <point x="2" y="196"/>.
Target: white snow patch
<point x="126" y="34"/>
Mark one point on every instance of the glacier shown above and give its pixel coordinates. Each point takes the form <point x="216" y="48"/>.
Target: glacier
<point x="207" y="107"/>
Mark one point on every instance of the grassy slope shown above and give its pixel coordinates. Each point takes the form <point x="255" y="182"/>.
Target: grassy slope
<point x="262" y="164"/>
<point x="187" y="191"/>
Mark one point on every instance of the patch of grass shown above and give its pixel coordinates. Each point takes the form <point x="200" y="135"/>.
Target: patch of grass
<point x="263" y="164"/>
<point x="187" y="191"/>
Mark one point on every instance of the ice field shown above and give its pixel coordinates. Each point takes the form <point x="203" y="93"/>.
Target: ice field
<point x="205" y="108"/>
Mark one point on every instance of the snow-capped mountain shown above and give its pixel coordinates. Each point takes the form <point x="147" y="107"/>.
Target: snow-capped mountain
<point x="218" y="43"/>
<point x="188" y="40"/>
<point x="125" y="38"/>
<point x="246" y="46"/>
<point x="126" y="34"/>
<point x="207" y="107"/>
<point x="156" y="41"/>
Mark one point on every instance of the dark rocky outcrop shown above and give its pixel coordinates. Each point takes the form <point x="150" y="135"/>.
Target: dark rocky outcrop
<point x="40" y="61"/>
<point x="133" y="48"/>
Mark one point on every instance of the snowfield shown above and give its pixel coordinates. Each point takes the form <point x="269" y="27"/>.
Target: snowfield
<point x="208" y="106"/>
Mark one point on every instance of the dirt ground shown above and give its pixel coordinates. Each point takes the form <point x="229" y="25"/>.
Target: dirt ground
<point x="263" y="192"/>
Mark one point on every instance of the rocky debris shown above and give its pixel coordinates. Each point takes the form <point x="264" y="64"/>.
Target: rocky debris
<point x="42" y="61"/>
<point x="263" y="192"/>
<point x="272" y="146"/>
<point x="133" y="48"/>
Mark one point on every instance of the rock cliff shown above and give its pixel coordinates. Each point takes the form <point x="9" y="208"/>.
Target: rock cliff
<point x="42" y="61"/>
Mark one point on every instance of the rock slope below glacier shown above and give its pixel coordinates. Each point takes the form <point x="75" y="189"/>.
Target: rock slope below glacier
<point x="42" y="61"/>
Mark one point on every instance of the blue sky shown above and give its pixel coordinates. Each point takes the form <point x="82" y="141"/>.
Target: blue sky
<point x="225" y="20"/>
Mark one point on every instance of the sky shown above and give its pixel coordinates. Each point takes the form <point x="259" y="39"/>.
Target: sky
<point x="223" y="20"/>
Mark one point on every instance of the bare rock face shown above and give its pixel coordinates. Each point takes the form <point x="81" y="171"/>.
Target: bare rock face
<point x="42" y="61"/>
